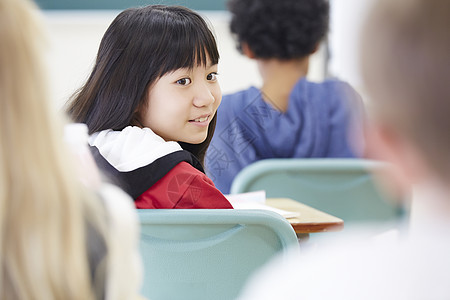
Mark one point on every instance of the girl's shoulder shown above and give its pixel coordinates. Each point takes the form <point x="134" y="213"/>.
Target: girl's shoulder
<point x="183" y="186"/>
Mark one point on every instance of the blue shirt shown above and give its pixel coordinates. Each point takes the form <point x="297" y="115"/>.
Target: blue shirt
<point x="315" y="124"/>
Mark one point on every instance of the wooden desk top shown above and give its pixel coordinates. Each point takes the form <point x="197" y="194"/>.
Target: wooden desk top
<point x="310" y="219"/>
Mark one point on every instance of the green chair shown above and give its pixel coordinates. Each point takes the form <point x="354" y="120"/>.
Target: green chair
<point x="342" y="187"/>
<point x="207" y="254"/>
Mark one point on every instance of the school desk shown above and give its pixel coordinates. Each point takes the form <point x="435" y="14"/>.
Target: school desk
<point x="309" y="220"/>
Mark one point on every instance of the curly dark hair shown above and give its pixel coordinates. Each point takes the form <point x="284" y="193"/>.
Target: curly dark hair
<point x="281" y="29"/>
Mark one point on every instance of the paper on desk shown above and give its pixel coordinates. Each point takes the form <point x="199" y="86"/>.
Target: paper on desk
<point x="255" y="205"/>
<point x="254" y="197"/>
<point x="257" y="200"/>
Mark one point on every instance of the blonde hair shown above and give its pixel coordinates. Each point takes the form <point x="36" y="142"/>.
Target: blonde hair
<point x="44" y="210"/>
<point x="405" y="64"/>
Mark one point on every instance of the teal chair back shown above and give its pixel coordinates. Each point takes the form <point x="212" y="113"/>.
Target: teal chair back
<point x="344" y="188"/>
<point x="207" y="254"/>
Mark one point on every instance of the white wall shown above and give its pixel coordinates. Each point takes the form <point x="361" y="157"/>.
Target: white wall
<point x="346" y="20"/>
<point x="75" y="37"/>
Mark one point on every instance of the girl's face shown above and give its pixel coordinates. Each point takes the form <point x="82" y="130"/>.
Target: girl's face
<point x="182" y="103"/>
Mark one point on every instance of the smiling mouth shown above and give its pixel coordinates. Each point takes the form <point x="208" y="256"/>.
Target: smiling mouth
<point x="200" y="120"/>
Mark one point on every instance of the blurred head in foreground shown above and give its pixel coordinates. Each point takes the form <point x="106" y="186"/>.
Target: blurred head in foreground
<point x="46" y="215"/>
<point x="406" y="62"/>
<point x="406" y="69"/>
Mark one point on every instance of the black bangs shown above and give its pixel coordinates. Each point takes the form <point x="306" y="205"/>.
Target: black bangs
<point x="140" y="46"/>
<point x="187" y="41"/>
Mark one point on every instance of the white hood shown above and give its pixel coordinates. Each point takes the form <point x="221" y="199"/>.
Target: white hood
<point x="131" y="148"/>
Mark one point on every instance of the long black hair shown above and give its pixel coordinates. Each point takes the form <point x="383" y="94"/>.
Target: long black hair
<point x="139" y="47"/>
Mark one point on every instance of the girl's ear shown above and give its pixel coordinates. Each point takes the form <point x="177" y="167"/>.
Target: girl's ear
<point x="136" y="118"/>
<point x="247" y="51"/>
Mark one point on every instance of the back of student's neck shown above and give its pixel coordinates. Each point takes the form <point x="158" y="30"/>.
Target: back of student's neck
<point x="279" y="77"/>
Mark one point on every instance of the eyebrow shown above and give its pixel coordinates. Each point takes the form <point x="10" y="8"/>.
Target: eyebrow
<point x="189" y="68"/>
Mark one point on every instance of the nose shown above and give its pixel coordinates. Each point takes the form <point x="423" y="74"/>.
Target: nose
<point x="204" y="95"/>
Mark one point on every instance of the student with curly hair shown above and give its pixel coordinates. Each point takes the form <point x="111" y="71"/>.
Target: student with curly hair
<point x="289" y="116"/>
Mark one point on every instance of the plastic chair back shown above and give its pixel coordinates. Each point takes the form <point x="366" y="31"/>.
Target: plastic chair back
<point x="207" y="254"/>
<point x="344" y="188"/>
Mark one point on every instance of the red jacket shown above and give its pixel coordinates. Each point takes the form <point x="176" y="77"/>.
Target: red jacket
<point x="154" y="172"/>
<point x="183" y="187"/>
<point x="175" y="180"/>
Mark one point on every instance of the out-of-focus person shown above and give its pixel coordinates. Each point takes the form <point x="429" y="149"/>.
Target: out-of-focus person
<point x="59" y="238"/>
<point x="405" y="66"/>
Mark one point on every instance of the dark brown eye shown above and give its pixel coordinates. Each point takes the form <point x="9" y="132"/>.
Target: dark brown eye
<point x="184" y="81"/>
<point x="212" y="76"/>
